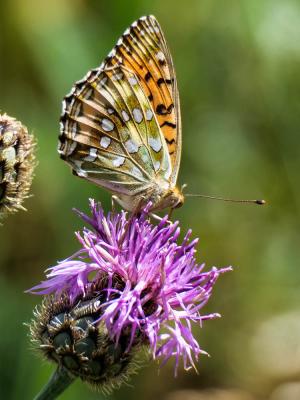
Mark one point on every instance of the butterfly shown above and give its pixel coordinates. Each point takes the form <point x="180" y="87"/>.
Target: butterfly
<point x="121" y="124"/>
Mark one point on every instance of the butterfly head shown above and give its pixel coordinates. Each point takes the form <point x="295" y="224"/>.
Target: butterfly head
<point x="176" y="198"/>
<point x="172" y="198"/>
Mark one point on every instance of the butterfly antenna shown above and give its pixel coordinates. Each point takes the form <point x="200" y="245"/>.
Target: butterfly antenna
<point x="259" y="202"/>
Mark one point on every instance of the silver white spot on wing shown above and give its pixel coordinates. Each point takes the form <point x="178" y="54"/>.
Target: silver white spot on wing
<point x="110" y="110"/>
<point x="119" y="42"/>
<point x="74" y="130"/>
<point x="118" y="161"/>
<point x="149" y="115"/>
<point x="81" y="173"/>
<point x="145" y="158"/>
<point x="61" y="148"/>
<point x="92" y="155"/>
<point x="105" y="142"/>
<point x="64" y="105"/>
<point x="77" y="109"/>
<point x="127" y="32"/>
<point x="131" y="146"/>
<point x="155" y="144"/>
<point x="125" y="116"/>
<point x="112" y="53"/>
<point x="88" y="94"/>
<point x="136" y="172"/>
<point x="156" y="165"/>
<point x="137" y="115"/>
<point x="160" y="56"/>
<point x="132" y="80"/>
<point x="103" y="81"/>
<point x="87" y="75"/>
<point x="117" y="76"/>
<point x="71" y="148"/>
<point x="107" y="125"/>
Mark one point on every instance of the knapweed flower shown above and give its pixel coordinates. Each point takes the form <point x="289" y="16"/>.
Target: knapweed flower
<point x="17" y="162"/>
<point x="131" y="284"/>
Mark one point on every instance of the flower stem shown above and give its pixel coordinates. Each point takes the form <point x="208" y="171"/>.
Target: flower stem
<point x="58" y="382"/>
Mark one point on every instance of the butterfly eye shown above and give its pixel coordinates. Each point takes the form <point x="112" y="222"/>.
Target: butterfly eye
<point x="177" y="202"/>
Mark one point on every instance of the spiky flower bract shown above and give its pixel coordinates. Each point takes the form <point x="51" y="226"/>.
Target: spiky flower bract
<point x="17" y="163"/>
<point x="148" y="286"/>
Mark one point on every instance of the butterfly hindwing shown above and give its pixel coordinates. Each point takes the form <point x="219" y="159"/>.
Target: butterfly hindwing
<point x="110" y="134"/>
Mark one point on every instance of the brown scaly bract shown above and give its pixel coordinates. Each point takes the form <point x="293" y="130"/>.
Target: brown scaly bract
<point x="17" y="162"/>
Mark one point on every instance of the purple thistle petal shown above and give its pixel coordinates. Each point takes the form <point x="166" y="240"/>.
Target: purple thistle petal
<point x="162" y="290"/>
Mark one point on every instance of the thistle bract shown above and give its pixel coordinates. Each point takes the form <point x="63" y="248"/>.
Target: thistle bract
<point x="136" y="283"/>
<point x="17" y="162"/>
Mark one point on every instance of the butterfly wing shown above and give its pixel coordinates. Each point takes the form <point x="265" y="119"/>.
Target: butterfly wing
<point x="110" y="135"/>
<point x="143" y="50"/>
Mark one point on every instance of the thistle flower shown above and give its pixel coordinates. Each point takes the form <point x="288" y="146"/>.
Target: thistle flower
<point x="131" y="284"/>
<point x="17" y="162"/>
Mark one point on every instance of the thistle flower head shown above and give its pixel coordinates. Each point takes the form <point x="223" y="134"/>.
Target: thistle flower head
<point x="17" y="162"/>
<point x="148" y="286"/>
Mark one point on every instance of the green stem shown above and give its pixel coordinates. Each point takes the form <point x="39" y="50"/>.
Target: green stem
<point x="58" y="382"/>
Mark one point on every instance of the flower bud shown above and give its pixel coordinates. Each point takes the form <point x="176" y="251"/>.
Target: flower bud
<point x="70" y="334"/>
<point x="17" y="162"/>
<point x="148" y="286"/>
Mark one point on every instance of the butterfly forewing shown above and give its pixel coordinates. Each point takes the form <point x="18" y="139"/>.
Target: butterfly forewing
<point x="143" y="49"/>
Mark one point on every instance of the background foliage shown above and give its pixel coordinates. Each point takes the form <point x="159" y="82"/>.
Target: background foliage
<point x="238" y="69"/>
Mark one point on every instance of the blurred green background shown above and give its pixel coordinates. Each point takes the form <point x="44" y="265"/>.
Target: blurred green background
<point x="238" y="68"/>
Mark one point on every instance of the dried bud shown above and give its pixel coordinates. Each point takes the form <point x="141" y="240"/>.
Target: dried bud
<point x="69" y="333"/>
<point x="17" y="162"/>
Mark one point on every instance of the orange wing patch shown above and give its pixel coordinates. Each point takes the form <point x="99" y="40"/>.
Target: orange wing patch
<point x="142" y="49"/>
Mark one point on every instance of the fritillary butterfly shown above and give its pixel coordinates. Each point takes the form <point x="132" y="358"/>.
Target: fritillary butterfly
<point x="121" y="126"/>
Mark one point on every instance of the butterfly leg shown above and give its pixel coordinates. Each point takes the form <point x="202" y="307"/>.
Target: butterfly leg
<point x="132" y="216"/>
<point x="158" y="218"/>
<point x="114" y="200"/>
